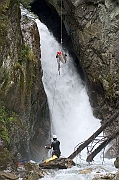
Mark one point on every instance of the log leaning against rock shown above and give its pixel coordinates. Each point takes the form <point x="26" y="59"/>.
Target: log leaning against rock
<point x="60" y="163"/>
<point x="91" y="138"/>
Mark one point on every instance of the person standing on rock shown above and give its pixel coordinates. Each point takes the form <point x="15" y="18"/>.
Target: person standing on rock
<point x="56" y="146"/>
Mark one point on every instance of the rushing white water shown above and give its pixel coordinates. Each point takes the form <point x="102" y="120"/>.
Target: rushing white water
<point x="78" y="173"/>
<point x="72" y="118"/>
<point x="71" y="114"/>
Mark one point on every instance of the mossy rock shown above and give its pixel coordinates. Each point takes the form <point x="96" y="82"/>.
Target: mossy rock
<point x="6" y="159"/>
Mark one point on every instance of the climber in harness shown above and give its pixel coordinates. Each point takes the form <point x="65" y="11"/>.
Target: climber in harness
<point x="61" y="57"/>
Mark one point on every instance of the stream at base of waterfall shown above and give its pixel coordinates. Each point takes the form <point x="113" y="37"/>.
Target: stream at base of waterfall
<point x="83" y="171"/>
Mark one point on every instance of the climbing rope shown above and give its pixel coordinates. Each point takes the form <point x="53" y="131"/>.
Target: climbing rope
<point x="54" y="95"/>
<point x="61" y="23"/>
<point x="57" y="73"/>
<point x="53" y="103"/>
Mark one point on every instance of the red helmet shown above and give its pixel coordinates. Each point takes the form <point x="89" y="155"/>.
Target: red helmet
<point x="59" y="52"/>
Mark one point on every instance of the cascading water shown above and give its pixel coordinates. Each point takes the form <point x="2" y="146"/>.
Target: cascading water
<point x="71" y="115"/>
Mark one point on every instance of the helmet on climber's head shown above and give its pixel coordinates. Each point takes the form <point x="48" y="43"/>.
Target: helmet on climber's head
<point x="59" y="52"/>
<point x="54" y="137"/>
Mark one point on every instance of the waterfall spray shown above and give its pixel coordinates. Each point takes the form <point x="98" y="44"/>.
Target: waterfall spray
<point x="72" y="119"/>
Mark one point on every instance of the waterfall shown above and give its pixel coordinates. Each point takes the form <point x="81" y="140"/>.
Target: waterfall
<point x="71" y="113"/>
<point x="72" y="119"/>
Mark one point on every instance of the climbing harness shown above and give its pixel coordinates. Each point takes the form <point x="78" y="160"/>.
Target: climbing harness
<point x="58" y="61"/>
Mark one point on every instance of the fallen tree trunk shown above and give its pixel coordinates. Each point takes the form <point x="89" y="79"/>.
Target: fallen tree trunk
<point x="101" y="146"/>
<point x="89" y="140"/>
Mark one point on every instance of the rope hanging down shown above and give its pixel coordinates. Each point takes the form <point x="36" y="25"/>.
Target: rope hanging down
<point x="61" y="24"/>
<point x="58" y="61"/>
<point x="53" y="105"/>
<point x="61" y="56"/>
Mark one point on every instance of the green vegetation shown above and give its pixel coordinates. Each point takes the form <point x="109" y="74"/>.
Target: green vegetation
<point x="5" y="121"/>
<point x="5" y="158"/>
<point x="18" y="69"/>
<point x="26" y="3"/>
<point x="4" y="5"/>
<point x="18" y="66"/>
<point x="26" y="54"/>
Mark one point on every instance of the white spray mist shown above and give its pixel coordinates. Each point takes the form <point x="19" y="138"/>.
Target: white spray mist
<point x="71" y="114"/>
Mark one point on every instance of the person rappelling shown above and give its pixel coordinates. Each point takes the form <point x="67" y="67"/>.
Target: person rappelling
<point x="61" y="57"/>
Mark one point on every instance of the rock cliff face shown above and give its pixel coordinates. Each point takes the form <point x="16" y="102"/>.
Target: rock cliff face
<point x="24" y="115"/>
<point x="94" y="29"/>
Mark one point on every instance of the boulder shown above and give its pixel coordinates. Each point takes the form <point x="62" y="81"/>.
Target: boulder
<point x="105" y="177"/>
<point x="7" y="175"/>
<point x="33" y="171"/>
<point x="7" y="160"/>
<point x="85" y="171"/>
<point x="60" y="163"/>
<point x="116" y="162"/>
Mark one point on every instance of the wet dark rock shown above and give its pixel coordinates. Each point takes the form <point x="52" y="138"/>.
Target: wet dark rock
<point x="33" y="171"/>
<point x="27" y="171"/>
<point x="59" y="163"/>
<point x="116" y="162"/>
<point x="24" y="122"/>
<point x="93" y="26"/>
<point x="7" y="160"/>
<point x="7" y="176"/>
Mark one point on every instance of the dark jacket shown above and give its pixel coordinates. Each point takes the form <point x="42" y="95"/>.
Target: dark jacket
<point x="55" y="145"/>
<point x="56" y="148"/>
